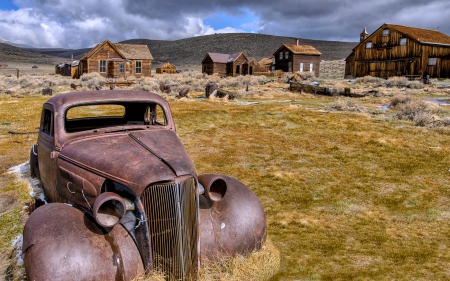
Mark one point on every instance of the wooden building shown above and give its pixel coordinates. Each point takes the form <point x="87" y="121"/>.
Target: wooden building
<point x="228" y="65"/>
<point x="395" y="50"/>
<point x="166" y="67"/>
<point x="117" y="60"/>
<point x="297" y="58"/>
<point x="64" y="69"/>
<point x="266" y="65"/>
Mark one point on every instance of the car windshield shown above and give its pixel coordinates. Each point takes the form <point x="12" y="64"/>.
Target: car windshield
<point x="94" y="116"/>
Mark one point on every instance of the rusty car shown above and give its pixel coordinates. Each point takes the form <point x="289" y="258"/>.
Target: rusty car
<point x="124" y="197"/>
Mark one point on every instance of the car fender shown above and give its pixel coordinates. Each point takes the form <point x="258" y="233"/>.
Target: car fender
<point x="61" y="242"/>
<point x="235" y="224"/>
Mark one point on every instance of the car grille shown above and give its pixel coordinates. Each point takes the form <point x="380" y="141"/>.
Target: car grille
<point x="172" y="220"/>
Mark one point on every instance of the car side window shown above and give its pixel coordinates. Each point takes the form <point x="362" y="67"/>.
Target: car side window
<point x="155" y="115"/>
<point x="47" y="123"/>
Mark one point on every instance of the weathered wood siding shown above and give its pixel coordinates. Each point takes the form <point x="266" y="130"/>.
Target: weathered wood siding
<point x="236" y="67"/>
<point x="388" y="58"/>
<point x="93" y="62"/>
<point x="209" y="67"/>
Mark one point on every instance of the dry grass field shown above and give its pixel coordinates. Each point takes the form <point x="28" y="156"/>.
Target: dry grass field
<point x="353" y="188"/>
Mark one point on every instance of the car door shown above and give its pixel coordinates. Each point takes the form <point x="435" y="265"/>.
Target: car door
<point x="47" y="153"/>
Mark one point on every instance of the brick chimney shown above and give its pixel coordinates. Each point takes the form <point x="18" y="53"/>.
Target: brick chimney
<point x="296" y="41"/>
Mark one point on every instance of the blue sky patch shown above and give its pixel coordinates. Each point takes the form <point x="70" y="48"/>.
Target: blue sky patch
<point x="7" y="5"/>
<point x="222" y="20"/>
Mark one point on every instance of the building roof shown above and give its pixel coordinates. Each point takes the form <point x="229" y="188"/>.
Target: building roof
<point x="217" y="57"/>
<point x="419" y="34"/>
<point x="266" y="61"/>
<point x="134" y="52"/>
<point x="301" y="49"/>
<point x="127" y="51"/>
<point x="166" y="64"/>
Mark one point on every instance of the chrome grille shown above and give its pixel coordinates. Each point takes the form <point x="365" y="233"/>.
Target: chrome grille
<point x="172" y="220"/>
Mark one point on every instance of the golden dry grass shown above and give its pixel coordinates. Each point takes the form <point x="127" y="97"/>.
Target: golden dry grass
<point x="348" y="195"/>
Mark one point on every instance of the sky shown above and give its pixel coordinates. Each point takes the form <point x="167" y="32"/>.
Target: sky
<point x="84" y="23"/>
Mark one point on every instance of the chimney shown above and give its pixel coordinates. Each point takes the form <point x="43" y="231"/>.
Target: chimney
<point x="296" y="41"/>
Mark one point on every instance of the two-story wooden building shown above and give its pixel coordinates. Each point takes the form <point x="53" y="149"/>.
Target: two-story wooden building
<point x="395" y="50"/>
<point x="228" y="65"/>
<point x="297" y="58"/>
<point x="114" y="60"/>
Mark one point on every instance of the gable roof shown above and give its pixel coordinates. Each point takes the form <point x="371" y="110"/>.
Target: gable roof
<point x="134" y="52"/>
<point x="300" y="49"/>
<point x="126" y="51"/>
<point x="421" y="35"/>
<point x="166" y="64"/>
<point x="217" y="57"/>
<point x="225" y="58"/>
<point x="266" y="61"/>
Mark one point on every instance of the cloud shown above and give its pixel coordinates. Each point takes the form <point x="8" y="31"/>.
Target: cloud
<point x="56" y="23"/>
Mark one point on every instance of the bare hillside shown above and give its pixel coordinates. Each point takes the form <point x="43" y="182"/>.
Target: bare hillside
<point x="191" y="51"/>
<point x="10" y="54"/>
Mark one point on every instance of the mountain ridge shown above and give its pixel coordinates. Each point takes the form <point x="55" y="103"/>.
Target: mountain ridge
<point x="191" y="51"/>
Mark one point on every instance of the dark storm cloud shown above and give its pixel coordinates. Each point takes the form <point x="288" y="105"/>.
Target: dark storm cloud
<point x="84" y="23"/>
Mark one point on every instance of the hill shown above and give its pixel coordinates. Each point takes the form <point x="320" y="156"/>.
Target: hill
<point x="15" y="54"/>
<point x="190" y="51"/>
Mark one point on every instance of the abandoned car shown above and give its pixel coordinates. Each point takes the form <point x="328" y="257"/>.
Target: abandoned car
<point x="124" y="197"/>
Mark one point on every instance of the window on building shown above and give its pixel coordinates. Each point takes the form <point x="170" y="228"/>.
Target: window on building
<point x="369" y="45"/>
<point x="121" y="68"/>
<point x="301" y="67"/>
<point x="281" y="55"/>
<point x="386" y="32"/>
<point x="102" y="66"/>
<point x="47" y="125"/>
<point x="311" y="65"/>
<point x="138" y="67"/>
<point x="290" y="66"/>
<point x="286" y="54"/>
<point x="402" y="41"/>
<point x="431" y="61"/>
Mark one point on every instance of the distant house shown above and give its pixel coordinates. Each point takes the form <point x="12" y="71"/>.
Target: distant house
<point x="266" y="64"/>
<point x="117" y="60"/>
<point x="166" y="67"/>
<point x="297" y="58"/>
<point x="2" y="64"/>
<point x="395" y="50"/>
<point x="64" y="69"/>
<point x="228" y="65"/>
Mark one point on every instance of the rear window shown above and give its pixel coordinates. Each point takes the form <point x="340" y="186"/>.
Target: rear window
<point x="95" y="111"/>
<point x="126" y="115"/>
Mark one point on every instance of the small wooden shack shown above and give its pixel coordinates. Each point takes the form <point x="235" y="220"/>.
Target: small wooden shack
<point x="166" y="67"/>
<point x="117" y="60"/>
<point x="297" y="58"/>
<point x="395" y="50"/>
<point x="228" y="65"/>
<point x="64" y="69"/>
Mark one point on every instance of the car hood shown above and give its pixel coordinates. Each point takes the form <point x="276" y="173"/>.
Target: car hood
<point x="136" y="158"/>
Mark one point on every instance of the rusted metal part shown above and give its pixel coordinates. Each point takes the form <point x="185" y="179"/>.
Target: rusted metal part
<point x="64" y="243"/>
<point x="183" y="92"/>
<point x="109" y="208"/>
<point x="210" y="88"/>
<point x="234" y="225"/>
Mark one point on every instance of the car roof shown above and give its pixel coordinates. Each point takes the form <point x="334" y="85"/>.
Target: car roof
<point x="104" y="96"/>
